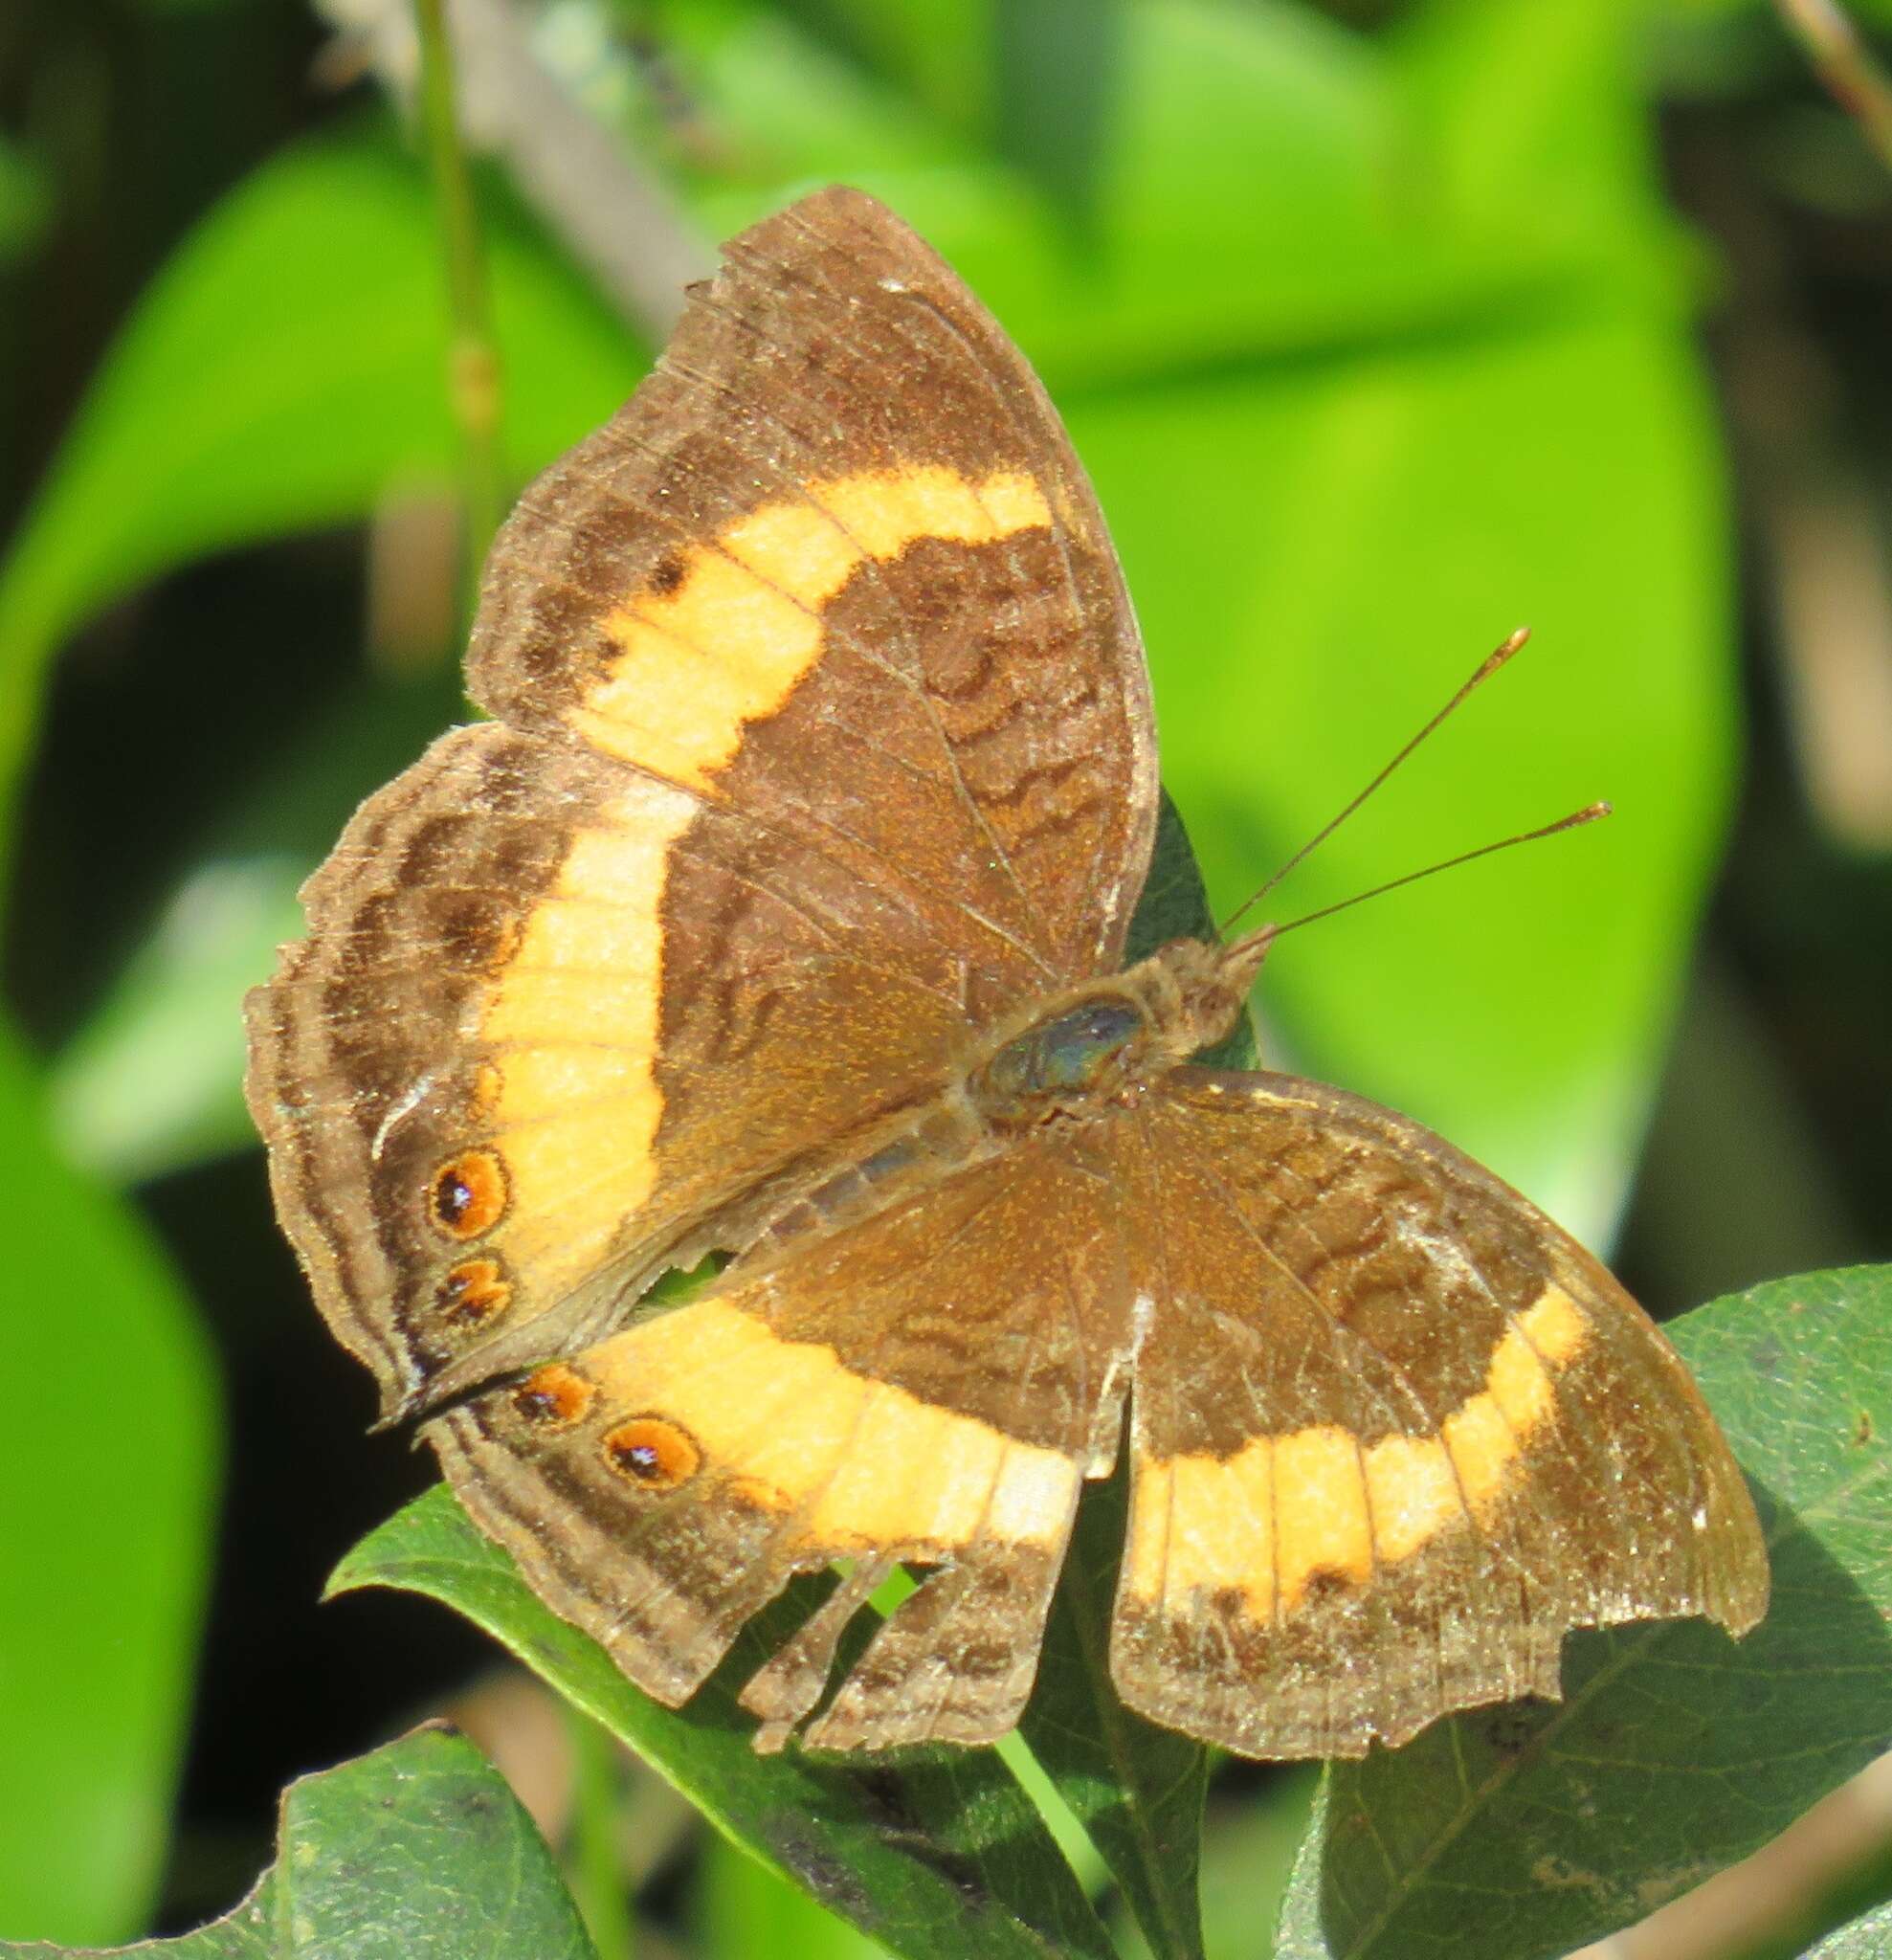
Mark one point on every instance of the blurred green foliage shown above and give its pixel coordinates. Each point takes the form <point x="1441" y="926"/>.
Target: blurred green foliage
<point x="393" y="1857"/>
<point x="111" y="1463"/>
<point x="1376" y="327"/>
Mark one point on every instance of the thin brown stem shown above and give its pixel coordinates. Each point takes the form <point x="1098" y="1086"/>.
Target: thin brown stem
<point x="1846" y="65"/>
<point x="472" y="359"/>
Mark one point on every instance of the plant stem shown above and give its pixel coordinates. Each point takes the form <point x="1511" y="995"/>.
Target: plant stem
<point x="1846" y="64"/>
<point x="597" y="1871"/>
<point x="472" y="361"/>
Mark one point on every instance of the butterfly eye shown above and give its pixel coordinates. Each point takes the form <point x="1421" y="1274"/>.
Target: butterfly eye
<point x="652" y="1453"/>
<point x="468" y="1194"/>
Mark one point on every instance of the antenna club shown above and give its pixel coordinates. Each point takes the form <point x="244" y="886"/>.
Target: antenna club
<point x="1590" y="813"/>
<point x="1499" y="654"/>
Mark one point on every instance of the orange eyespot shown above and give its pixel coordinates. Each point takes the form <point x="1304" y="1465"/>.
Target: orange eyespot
<point x="652" y="1453"/>
<point x="473" y="1293"/>
<point x="553" y="1396"/>
<point x="468" y="1194"/>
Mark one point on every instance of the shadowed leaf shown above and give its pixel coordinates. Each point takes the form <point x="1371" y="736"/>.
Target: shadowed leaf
<point x="935" y="1853"/>
<point x="1867" y="1938"/>
<point x="418" y="1851"/>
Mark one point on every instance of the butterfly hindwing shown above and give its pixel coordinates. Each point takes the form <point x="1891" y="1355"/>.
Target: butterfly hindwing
<point x="1394" y="1434"/>
<point x="928" y="1385"/>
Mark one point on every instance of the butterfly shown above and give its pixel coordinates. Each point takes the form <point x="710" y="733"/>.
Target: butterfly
<point x="779" y="913"/>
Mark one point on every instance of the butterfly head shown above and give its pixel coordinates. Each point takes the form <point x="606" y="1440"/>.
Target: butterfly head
<point x="1199" y="988"/>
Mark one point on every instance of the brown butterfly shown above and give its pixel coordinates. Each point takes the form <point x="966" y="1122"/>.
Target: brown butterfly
<point x="780" y="912"/>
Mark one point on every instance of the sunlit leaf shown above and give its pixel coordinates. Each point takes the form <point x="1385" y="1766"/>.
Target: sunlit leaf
<point x="745" y="1908"/>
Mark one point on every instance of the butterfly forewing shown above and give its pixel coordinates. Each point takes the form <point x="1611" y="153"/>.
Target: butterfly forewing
<point x="825" y="738"/>
<point x="836" y="555"/>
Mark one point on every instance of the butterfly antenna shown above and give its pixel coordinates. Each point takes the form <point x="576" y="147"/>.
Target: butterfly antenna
<point x="1487" y="667"/>
<point x="1590" y="813"/>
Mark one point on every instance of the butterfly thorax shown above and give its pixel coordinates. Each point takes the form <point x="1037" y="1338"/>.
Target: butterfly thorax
<point x="1070" y="1056"/>
<point x="1083" y="1052"/>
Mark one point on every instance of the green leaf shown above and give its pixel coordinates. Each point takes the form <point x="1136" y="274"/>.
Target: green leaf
<point x="153" y="1079"/>
<point x="418" y="1851"/>
<point x="1056" y="79"/>
<point x="1675" y="1751"/>
<point x="1559" y="86"/>
<point x="1248" y="1853"/>
<point x="286" y="365"/>
<point x="1318" y="556"/>
<point x="1138" y="1790"/>
<point x="106" y="1510"/>
<point x="936" y="52"/>
<point x="934" y="1855"/>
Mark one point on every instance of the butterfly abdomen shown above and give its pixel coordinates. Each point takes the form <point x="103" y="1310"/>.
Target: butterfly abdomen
<point x="940" y="1138"/>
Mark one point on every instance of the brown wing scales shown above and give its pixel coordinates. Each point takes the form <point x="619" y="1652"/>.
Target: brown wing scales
<point x="823" y="750"/>
<point x="839" y="437"/>
<point x="928" y="1386"/>
<point x="1393" y="1435"/>
<point x="796" y="726"/>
